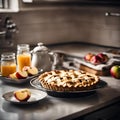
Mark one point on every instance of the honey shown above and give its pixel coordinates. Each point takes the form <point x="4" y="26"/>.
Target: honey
<point x="23" y="56"/>
<point x="8" y="64"/>
<point x="6" y="70"/>
<point x="23" y="60"/>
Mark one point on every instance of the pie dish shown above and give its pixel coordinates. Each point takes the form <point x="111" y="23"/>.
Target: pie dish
<point x="68" y="80"/>
<point x="15" y="81"/>
<point x="35" y="82"/>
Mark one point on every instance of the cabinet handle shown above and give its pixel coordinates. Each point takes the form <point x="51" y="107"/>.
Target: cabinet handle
<point x="116" y="14"/>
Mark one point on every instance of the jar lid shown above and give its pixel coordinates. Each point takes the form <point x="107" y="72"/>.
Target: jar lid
<point x="7" y="56"/>
<point x="23" y="46"/>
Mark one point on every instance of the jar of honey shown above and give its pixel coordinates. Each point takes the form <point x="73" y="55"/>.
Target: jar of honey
<point x="23" y="56"/>
<point x="8" y="64"/>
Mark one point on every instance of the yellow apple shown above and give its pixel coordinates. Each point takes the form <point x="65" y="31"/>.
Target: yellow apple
<point x="31" y="70"/>
<point x="13" y="76"/>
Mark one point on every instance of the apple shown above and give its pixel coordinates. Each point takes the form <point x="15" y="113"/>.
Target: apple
<point x="115" y="71"/>
<point x="21" y="74"/>
<point x="104" y="58"/>
<point x="31" y="70"/>
<point x="95" y="60"/>
<point x="88" y="56"/>
<point x="22" y="94"/>
<point x="13" y="75"/>
<point x="25" y="68"/>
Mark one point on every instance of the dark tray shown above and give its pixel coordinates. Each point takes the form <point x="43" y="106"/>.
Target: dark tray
<point x="67" y="94"/>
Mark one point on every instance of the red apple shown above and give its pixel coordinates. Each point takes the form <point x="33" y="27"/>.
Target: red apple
<point x="21" y="74"/>
<point x="115" y="71"/>
<point x="22" y="94"/>
<point x="104" y="58"/>
<point x="88" y="56"/>
<point x="95" y="60"/>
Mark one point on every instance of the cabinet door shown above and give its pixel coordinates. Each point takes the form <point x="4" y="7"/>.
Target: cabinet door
<point x="111" y="112"/>
<point x="7" y="6"/>
<point x="78" y="1"/>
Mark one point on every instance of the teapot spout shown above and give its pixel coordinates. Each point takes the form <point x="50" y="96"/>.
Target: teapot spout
<point x="58" y="59"/>
<point x="51" y="55"/>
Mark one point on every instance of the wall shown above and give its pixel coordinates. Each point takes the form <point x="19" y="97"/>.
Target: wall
<point x="67" y="24"/>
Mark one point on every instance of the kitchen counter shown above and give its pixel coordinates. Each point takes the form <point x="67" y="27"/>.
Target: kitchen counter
<point x="52" y="108"/>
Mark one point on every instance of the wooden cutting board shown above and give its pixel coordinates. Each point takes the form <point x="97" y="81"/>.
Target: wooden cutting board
<point x="101" y="69"/>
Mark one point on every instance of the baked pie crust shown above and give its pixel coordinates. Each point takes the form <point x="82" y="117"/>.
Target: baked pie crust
<point x="68" y="80"/>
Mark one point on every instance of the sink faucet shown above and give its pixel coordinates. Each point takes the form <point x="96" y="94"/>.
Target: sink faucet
<point x="8" y="29"/>
<point x="10" y="25"/>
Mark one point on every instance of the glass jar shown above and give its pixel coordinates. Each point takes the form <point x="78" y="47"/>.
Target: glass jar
<point x="8" y="64"/>
<point x="23" y="56"/>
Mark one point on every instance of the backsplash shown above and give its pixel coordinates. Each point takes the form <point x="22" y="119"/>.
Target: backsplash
<point x="67" y="24"/>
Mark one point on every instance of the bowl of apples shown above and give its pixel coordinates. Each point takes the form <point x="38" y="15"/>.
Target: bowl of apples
<point x="96" y="59"/>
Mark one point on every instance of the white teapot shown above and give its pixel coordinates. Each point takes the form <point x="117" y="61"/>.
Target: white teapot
<point x="42" y="58"/>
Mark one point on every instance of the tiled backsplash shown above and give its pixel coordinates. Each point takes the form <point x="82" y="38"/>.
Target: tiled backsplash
<point x="67" y="24"/>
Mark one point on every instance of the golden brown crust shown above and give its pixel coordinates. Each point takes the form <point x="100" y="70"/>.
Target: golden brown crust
<point x="68" y="80"/>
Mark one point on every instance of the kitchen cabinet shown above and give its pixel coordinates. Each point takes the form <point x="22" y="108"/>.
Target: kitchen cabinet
<point x="9" y="6"/>
<point x="23" y="5"/>
<point x="107" y="113"/>
<point x="38" y="4"/>
<point x="78" y="1"/>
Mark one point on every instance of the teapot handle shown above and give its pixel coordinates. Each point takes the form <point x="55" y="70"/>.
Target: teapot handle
<point x="52" y="55"/>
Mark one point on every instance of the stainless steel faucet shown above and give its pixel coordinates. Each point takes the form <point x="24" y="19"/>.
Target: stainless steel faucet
<point x="8" y="28"/>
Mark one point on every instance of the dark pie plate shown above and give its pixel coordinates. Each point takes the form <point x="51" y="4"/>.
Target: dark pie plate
<point x="17" y="81"/>
<point x="67" y="94"/>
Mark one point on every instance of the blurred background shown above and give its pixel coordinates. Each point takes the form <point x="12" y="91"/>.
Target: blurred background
<point x="59" y="21"/>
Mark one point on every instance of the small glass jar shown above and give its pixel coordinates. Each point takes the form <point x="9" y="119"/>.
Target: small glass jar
<point x="8" y="64"/>
<point x="23" y="56"/>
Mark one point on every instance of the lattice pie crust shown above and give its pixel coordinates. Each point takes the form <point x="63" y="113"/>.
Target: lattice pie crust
<point x="68" y="80"/>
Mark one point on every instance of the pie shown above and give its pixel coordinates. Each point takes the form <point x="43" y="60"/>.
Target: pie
<point x="68" y="80"/>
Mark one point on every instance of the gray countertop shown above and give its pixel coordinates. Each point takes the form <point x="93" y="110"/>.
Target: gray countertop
<point x="52" y="108"/>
